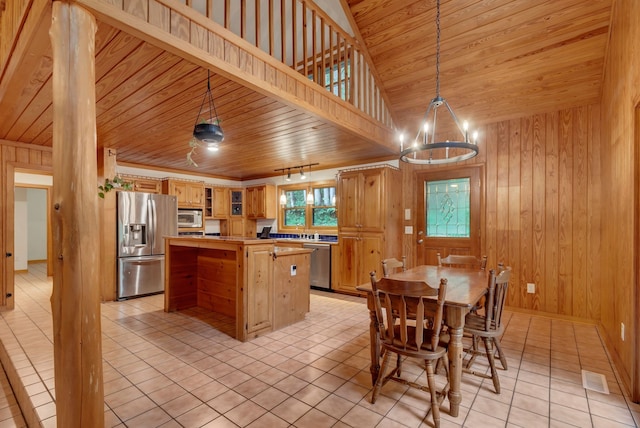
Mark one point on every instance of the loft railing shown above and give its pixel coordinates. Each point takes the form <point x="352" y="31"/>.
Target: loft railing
<point x="305" y="38"/>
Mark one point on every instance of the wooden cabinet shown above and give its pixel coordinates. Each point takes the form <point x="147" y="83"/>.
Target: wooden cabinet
<point x="261" y="201"/>
<point x="220" y="203"/>
<point x="236" y="222"/>
<point x="143" y="184"/>
<point x="238" y="226"/>
<point x="361" y="197"/>
<point x="259" y="290"/>
<point x="189" y="194"/>
<point x="359" y="254"/>
<point x="236" y="202"/>
<point x="291" y="291"/>
<point x="369" y="224"/>
<point x="216" y="203"/>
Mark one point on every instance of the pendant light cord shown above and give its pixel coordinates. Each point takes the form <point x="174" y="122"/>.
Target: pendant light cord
<point x="437" y="48"/>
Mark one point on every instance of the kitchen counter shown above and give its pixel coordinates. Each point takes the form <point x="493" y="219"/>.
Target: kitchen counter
<point x="261" y="286"/>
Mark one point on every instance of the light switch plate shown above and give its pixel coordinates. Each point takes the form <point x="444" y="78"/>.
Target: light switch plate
<point x="293" y="270"/>
<point x="407" y="214"/>
<point x="531" y="288"/>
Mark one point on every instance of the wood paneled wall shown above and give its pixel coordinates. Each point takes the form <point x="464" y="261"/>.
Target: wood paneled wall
<point x="620" y="170"/>
<point x="541" y="208"/>
<point x="14" y="155"/>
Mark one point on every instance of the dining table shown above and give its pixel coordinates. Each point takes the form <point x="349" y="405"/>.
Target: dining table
<point x="465" y="287"/>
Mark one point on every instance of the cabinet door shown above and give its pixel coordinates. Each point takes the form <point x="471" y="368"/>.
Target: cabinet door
<point x="348" y="280"/>
<point x="252" y="202"/>
<point x="369" y="256"/>
<point x="220" y="203"/>
<point x="371" y="216"/>
<point x="236" y="227"/>
<point x="179" y="190"/>
<point x="196" y="195"/>
<point x="348" y="207"/>
<point x="146" y="185"/>
<point x="259" y="288"/>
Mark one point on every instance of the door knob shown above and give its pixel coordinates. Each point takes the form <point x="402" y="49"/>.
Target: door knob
<point x="420" y="241"/>
<point x="9" y="254"/>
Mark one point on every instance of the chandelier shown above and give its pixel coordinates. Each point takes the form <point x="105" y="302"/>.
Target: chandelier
<point x="426" y="147"/>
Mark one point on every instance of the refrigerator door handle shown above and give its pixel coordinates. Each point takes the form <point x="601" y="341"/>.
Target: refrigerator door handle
<point x="152" y="221"/>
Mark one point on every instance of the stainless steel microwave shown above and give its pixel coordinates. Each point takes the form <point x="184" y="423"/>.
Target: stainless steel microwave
<point x="189" y="218"/>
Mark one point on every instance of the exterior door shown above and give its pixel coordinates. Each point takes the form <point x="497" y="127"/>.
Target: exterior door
<point x="449" y="213"/>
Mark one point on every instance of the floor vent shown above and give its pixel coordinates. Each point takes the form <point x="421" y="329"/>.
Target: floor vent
<point x="595" y="382"/>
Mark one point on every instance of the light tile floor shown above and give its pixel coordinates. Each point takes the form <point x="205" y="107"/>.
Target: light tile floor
<point x="182" y="370"/>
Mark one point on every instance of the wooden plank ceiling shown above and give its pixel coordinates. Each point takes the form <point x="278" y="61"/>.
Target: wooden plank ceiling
<point x="499" y="59"/>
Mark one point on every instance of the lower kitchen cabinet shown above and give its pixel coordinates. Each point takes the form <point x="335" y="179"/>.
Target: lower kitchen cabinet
<point x="260" y="289"/>
<point x="291" y="274"/>
<point x="358" y="255"/>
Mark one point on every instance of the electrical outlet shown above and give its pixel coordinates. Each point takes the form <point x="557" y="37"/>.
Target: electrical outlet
<point x="531" y="287"/>
<point x="622" y="331"/>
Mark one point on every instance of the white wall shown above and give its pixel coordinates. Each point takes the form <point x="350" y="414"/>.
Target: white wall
<point x="20" y="235"/>
<point x="37" y="224"/>
<point x="30" y="219"/>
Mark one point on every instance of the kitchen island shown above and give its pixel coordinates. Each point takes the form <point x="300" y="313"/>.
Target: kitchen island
<point x="261" y="286"/>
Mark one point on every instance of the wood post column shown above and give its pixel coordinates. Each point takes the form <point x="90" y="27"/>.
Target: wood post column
<point x="75" y="300"/>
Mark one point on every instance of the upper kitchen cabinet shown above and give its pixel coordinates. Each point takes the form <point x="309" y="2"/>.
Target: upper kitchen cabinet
<point x="261" y="201"/>
<point x="364" y="197"/>
<point x="190" y="194"/>
<point x="216" y="203"/>
<point x="143" y="184"/>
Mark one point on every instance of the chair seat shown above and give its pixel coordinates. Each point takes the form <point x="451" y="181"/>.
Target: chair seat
<point x="476" y="324"/>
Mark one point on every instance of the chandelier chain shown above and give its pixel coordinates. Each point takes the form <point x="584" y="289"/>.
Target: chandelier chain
<point x="437" y="48"/>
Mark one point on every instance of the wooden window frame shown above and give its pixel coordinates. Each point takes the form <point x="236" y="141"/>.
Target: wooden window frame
<point x="308" y="226"/>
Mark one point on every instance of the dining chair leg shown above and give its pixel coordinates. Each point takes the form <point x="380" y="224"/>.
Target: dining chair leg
<point x="488" y="344"/>
<point x="501" y="356"/>
<point x="473" y="350"/>
<point x="381" y="377"/>
<point x="431" y="381"/>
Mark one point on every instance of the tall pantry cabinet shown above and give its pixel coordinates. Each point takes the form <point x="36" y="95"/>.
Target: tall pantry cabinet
<point x="369" y="224"/>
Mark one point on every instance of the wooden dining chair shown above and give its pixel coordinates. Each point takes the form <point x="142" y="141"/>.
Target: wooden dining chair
<point x="488" y="327"/>
<point x="457" y="260"/>
<point x="392" y="265"/>
<point x="409" y="315"/>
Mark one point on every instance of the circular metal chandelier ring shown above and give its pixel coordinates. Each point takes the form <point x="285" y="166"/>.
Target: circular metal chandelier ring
<point x="471" y="150"/>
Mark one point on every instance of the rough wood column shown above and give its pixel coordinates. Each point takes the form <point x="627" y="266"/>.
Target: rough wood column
<point x="75" y="300"/>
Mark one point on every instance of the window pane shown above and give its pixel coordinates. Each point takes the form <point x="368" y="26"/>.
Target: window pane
<point x="296" y="198"/>
<point x="324" y="196"/>
<point x="325" y="217"/>
<point x="294" y="217"/>
<point x="448" y="212"/>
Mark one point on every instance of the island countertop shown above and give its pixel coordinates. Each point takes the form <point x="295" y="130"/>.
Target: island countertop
<point x="246" y="240"/>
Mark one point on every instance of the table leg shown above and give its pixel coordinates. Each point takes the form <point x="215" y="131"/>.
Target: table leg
<point x="455" y="322"/>
<point x="375" y="341"/>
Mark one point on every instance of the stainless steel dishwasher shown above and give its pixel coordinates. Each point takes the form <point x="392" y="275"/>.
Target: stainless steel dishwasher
<point x="320" y="276"/>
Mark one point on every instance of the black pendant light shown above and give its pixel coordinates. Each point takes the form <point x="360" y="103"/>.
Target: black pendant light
<point x="208" y="130"/>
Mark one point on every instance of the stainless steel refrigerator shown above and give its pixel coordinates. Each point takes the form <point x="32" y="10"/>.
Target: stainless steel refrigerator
<point x="143" y="220"/>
